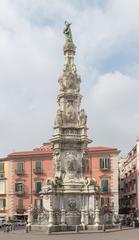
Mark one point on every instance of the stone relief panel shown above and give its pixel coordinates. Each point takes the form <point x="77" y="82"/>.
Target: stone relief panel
<point x="70" y="112"/>
<point x="69" y="79"/>
<point x="72" y="164"/>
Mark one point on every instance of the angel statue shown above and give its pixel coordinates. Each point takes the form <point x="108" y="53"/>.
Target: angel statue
<point x="67" y="32"/>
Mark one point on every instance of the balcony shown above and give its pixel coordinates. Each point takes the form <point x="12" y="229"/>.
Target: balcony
<point x="21" y="192"/>
<point x="35" y="192"/>
<point x="2" y="175"/>
<point x="20" y="209"/>
<point x="19" y="171"/>
<point x="38" y="170"/>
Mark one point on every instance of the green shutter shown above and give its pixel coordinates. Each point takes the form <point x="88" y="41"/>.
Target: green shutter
<point x="1" y="167"/>
<point x="104" y="185"/>
<point x="101" y="163"/>
<point x="38" y="187"/>
<point x="106" y="201"/>
<point x="108" y="163"/>
<point x="4" y="203"/>
<point x="38" y="164"/>
<point x="102" y="202"/>
<point x="20" y="203"/>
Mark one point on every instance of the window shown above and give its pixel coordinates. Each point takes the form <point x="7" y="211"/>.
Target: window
<point x="104" y="201"/>
<point x="38" y="186"/>
<point x="38" y="165"/>
<point x="104" y="185"/>
<point x="1" y="167"/>
<point x="19" y="187"/>
<point x="20" y="203"/>
<point x="104" y="163"/>
<point x="2" y="204"/>
<point x="20" y="167"/>
<point x="38" y="203"/>
<point x="2" y="187"/>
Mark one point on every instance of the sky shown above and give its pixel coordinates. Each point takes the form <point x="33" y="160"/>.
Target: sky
<point x="106" y="34"/>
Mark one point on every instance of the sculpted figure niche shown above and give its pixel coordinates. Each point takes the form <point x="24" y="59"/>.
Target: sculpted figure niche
<point x="71" y="115"/>
<point x="82" y="118"/>
<point x="58" y="120"/>
<point x="57" y="160"/>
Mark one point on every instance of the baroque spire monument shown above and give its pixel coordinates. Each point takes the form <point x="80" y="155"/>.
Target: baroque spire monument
<point x="69" y="198"/>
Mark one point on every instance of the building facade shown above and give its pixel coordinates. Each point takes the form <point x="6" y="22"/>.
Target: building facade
<point x="4" y="187"/>
<point x="104" y="168"/>
<point x="129" y="182"/>
<point x="30" y="170"/>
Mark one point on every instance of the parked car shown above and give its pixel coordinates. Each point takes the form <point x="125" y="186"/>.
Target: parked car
<point x="18" y="223"/>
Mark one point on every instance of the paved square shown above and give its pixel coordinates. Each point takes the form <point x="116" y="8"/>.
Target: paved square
<point x="119" y="235"/>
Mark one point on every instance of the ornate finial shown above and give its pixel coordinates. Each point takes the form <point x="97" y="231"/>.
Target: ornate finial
<point x="67" y="32"/>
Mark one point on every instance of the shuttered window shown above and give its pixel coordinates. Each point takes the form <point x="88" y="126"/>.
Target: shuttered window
<point x="2" y="187"/>
<point x="104" y="163"/>
<point x="19" y="187"/>
<point x="104" y="185"/>
<point x="20" y="203"/>
<point x="2" y="204"/>
<point x="104" y="201"/>
<point x="1" y="167"/>
<point x="38" y="203"/>
<point x="38" y="165"/>
<point x="20" y="166"/>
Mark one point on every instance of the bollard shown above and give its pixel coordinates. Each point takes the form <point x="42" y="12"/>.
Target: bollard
<point x="26" y="229"/>
<point x="49" y="230"/>
<point x="7" y="229"/>
<point x="76" y="229"/>
<point x="29" y="227"/>
<point x="120" y="226"/>
<point x="133" y="224"/>
<point x="103" y="228"/>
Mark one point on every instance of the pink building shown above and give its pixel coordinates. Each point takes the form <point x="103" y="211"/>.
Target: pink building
<point x="29" y="171"/>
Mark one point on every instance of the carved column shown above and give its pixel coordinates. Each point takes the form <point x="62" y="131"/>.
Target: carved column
<point x="83" y="217"/>
<point x="51" y="217"/>
<point x="51" y="213"/>
<point x="97" y="218"/>
<point x="63" y="216"/>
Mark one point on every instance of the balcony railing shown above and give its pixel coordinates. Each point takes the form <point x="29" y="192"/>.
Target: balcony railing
<point x="22" y="192"/>
<point x="20" y="209"/>
<point x="38" y="170"/>
<point x="19" y="171"/>
<point x="35" y="192"/>
<point x="2" y="175"/>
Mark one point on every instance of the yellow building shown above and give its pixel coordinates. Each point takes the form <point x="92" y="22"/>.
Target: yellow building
<point x="4" y="188"/>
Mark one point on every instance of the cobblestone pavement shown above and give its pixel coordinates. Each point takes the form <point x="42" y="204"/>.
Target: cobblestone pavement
<point x="119" y="235"/>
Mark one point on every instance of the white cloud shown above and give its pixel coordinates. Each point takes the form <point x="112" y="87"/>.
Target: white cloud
<point x="31" y="61"/>
<point x="114" y="103"/>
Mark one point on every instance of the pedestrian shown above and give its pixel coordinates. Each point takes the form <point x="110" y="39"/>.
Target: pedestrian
<point x="7" y="229"/>
<point x="26" y="228"/>
<point x="13" y="226"/>
<point x="10" y="228"/>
